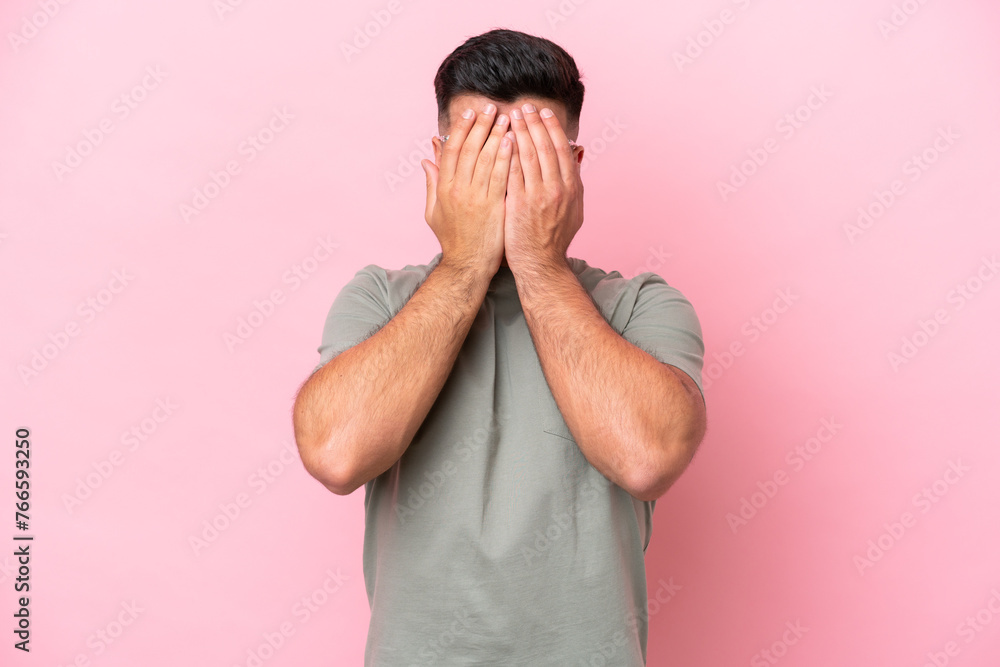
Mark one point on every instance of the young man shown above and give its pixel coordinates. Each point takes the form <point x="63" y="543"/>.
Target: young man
<point x="512" y="413"/>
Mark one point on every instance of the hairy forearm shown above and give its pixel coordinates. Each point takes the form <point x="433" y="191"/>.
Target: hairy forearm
<point x="634" y="419"/>
<point x="357" y="414"/>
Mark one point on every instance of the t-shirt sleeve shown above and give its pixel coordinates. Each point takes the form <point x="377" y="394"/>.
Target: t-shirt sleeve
<point x="664" y="324"/>
<point x="358" y="311"/>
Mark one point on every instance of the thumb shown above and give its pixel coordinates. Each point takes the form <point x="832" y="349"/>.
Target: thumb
<point x="431" y="171"/>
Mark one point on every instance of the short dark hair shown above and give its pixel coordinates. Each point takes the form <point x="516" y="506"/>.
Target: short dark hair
<point x="505" y="65"/>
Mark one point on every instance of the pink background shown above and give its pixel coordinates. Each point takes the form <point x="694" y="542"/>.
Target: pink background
<point x="659" y="138"/>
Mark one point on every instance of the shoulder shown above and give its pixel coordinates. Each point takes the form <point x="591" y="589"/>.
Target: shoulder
<point x="616" y="296"/>
<point x="612" y="284"/>
<point x="593" y="277"/>
<point x="393" y="287"/>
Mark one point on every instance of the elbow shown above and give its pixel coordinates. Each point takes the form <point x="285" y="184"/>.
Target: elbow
<point x="321" y="457"/>
<point x="649" y="485"/>
<point x="322" y="462"/>
<point x="669" y="456"/>
<point x="337" y="478"/>
<point x="651" y="480"/>
<point x="342" y="486"/>
<point x="342" y="482"/>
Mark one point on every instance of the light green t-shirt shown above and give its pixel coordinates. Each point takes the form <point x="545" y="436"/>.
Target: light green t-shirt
<point x="492" y="540"/>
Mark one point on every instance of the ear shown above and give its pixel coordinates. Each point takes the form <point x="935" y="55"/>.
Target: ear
<point x="438" y="149"/>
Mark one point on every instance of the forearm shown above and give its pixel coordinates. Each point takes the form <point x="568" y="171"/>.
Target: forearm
<point x="632" y="416"/>
<point x="357" y="414"/>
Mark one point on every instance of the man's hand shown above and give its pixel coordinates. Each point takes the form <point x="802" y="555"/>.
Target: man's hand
<point x="465" y="195"/>
<point x="544" y="191"/>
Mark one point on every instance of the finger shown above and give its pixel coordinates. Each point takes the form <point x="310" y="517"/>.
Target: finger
<point x="544" y="148"/>
<point x="472" y="145"/>
<point x="451" y="148"/>
<point x="563" y="151"/>
<point x="501" y="169"/>
<point x="526" y="155"/>
<point x="484" y="163"/>
<point x="515" y="179"/>
<point x="431" y="170"/>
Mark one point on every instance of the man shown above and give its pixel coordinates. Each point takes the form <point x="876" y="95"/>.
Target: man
<point x="512" y="413"/>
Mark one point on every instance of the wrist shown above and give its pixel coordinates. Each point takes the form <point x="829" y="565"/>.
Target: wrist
<point x="471" y="273"/>
<point x="538" y="264"/>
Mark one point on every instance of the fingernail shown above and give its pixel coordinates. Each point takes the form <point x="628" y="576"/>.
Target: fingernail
<point x="546" y="113"/>
<point x="516" y="113"/>
<point x="528" y="107"/>
<point x="468" y="113"/>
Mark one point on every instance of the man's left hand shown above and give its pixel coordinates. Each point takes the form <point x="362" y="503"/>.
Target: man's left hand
<point x="544" y="205"/>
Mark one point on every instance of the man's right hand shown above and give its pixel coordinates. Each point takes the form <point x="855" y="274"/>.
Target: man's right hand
<point x="465" y="194"/>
